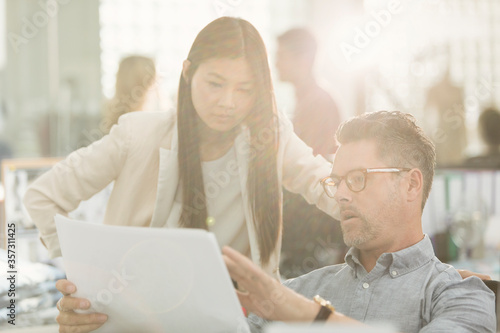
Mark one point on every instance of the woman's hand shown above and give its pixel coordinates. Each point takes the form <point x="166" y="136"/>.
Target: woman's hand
<point x="465" y="274"/>
<point x="68" y="319"/>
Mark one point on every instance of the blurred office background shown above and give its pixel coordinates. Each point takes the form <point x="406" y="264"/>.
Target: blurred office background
<point x="58" y="59"/>
<point x="436" y="59"/>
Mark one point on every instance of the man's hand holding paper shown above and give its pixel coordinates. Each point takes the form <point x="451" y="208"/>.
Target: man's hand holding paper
<point x="71" y="321"/>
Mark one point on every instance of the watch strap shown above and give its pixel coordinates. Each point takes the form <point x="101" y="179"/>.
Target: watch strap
<point x="326" y="308"/>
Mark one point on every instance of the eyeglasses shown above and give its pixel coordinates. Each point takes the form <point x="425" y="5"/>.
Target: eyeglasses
<point x="354" y="179"/>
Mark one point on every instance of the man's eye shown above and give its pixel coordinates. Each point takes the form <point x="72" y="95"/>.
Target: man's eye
<point x="357" y="179"/>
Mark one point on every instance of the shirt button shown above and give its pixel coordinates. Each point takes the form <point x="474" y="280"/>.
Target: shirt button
<point x="365" y="285"/>
<point x="394" y="273"/>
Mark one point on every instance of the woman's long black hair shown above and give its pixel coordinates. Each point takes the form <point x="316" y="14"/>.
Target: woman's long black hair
<point x="229" y="37"/>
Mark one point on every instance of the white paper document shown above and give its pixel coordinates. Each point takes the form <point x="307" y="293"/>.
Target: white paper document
<point x="151" y="279"/>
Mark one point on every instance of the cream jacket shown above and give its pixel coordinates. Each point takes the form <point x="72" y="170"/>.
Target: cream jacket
<point x="140" y="156"/>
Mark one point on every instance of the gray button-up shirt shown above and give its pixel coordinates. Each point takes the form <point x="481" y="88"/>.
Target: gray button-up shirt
<point x="410" y="289"/>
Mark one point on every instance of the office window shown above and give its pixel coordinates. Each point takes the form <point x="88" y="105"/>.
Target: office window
<point x="165" y="30"/>
<point x="422" y="42"/>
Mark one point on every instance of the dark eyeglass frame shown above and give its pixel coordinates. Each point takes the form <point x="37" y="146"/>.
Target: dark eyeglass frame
<point x="329" y="183"/>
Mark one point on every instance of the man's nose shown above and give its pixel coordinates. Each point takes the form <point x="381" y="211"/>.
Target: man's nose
<point x="343" y="193"/>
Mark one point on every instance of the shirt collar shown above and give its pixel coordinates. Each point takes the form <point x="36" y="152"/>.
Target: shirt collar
<point x="400" y="262"/>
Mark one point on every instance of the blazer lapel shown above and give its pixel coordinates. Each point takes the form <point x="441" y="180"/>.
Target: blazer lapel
<point x="168" y="180"/>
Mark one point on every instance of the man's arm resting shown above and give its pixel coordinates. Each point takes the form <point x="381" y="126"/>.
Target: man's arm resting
<point x="461" y="306"/>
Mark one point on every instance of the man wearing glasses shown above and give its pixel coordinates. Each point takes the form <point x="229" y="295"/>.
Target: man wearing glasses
<point x="381" y="178"/>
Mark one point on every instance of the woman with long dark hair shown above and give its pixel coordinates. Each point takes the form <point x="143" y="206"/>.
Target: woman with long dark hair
<point x="219" y="164"/>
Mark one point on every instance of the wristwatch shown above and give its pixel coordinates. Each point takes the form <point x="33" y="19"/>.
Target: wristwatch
<point x="326" y="308"/>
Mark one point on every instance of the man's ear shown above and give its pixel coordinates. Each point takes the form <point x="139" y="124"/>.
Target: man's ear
<point x="415" y="184"/>
<point x="186" y="64"/>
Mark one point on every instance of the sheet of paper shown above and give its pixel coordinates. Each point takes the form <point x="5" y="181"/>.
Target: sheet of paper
<point x="151" y="279"/>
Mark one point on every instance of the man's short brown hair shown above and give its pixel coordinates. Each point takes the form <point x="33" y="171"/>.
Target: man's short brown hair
<point x="401" y="142"/>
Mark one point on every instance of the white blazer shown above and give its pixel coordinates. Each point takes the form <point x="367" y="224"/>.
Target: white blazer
<point x="140" y="156"/>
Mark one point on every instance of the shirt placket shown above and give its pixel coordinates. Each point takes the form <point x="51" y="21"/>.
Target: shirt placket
<point x="362" y="294"/>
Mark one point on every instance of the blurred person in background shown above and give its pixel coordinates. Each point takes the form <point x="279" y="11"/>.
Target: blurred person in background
<point x="316" y="115"/>
<point x="134" y="80"/>
<point x="311" y="236"/>
<point x="445" y="121"/>
<point x="489" y="130"/>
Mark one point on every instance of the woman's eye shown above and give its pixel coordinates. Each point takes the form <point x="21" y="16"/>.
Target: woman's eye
<point x="214" y="84"/>
<point x="245" y="90"/>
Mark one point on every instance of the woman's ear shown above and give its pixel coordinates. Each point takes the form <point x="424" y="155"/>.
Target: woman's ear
<point x="185" y="70"/>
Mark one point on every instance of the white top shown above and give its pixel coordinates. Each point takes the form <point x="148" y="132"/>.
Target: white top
<point x="224" y="201"/>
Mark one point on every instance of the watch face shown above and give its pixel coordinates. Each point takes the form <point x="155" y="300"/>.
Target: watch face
<point x="321" y="301"/>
